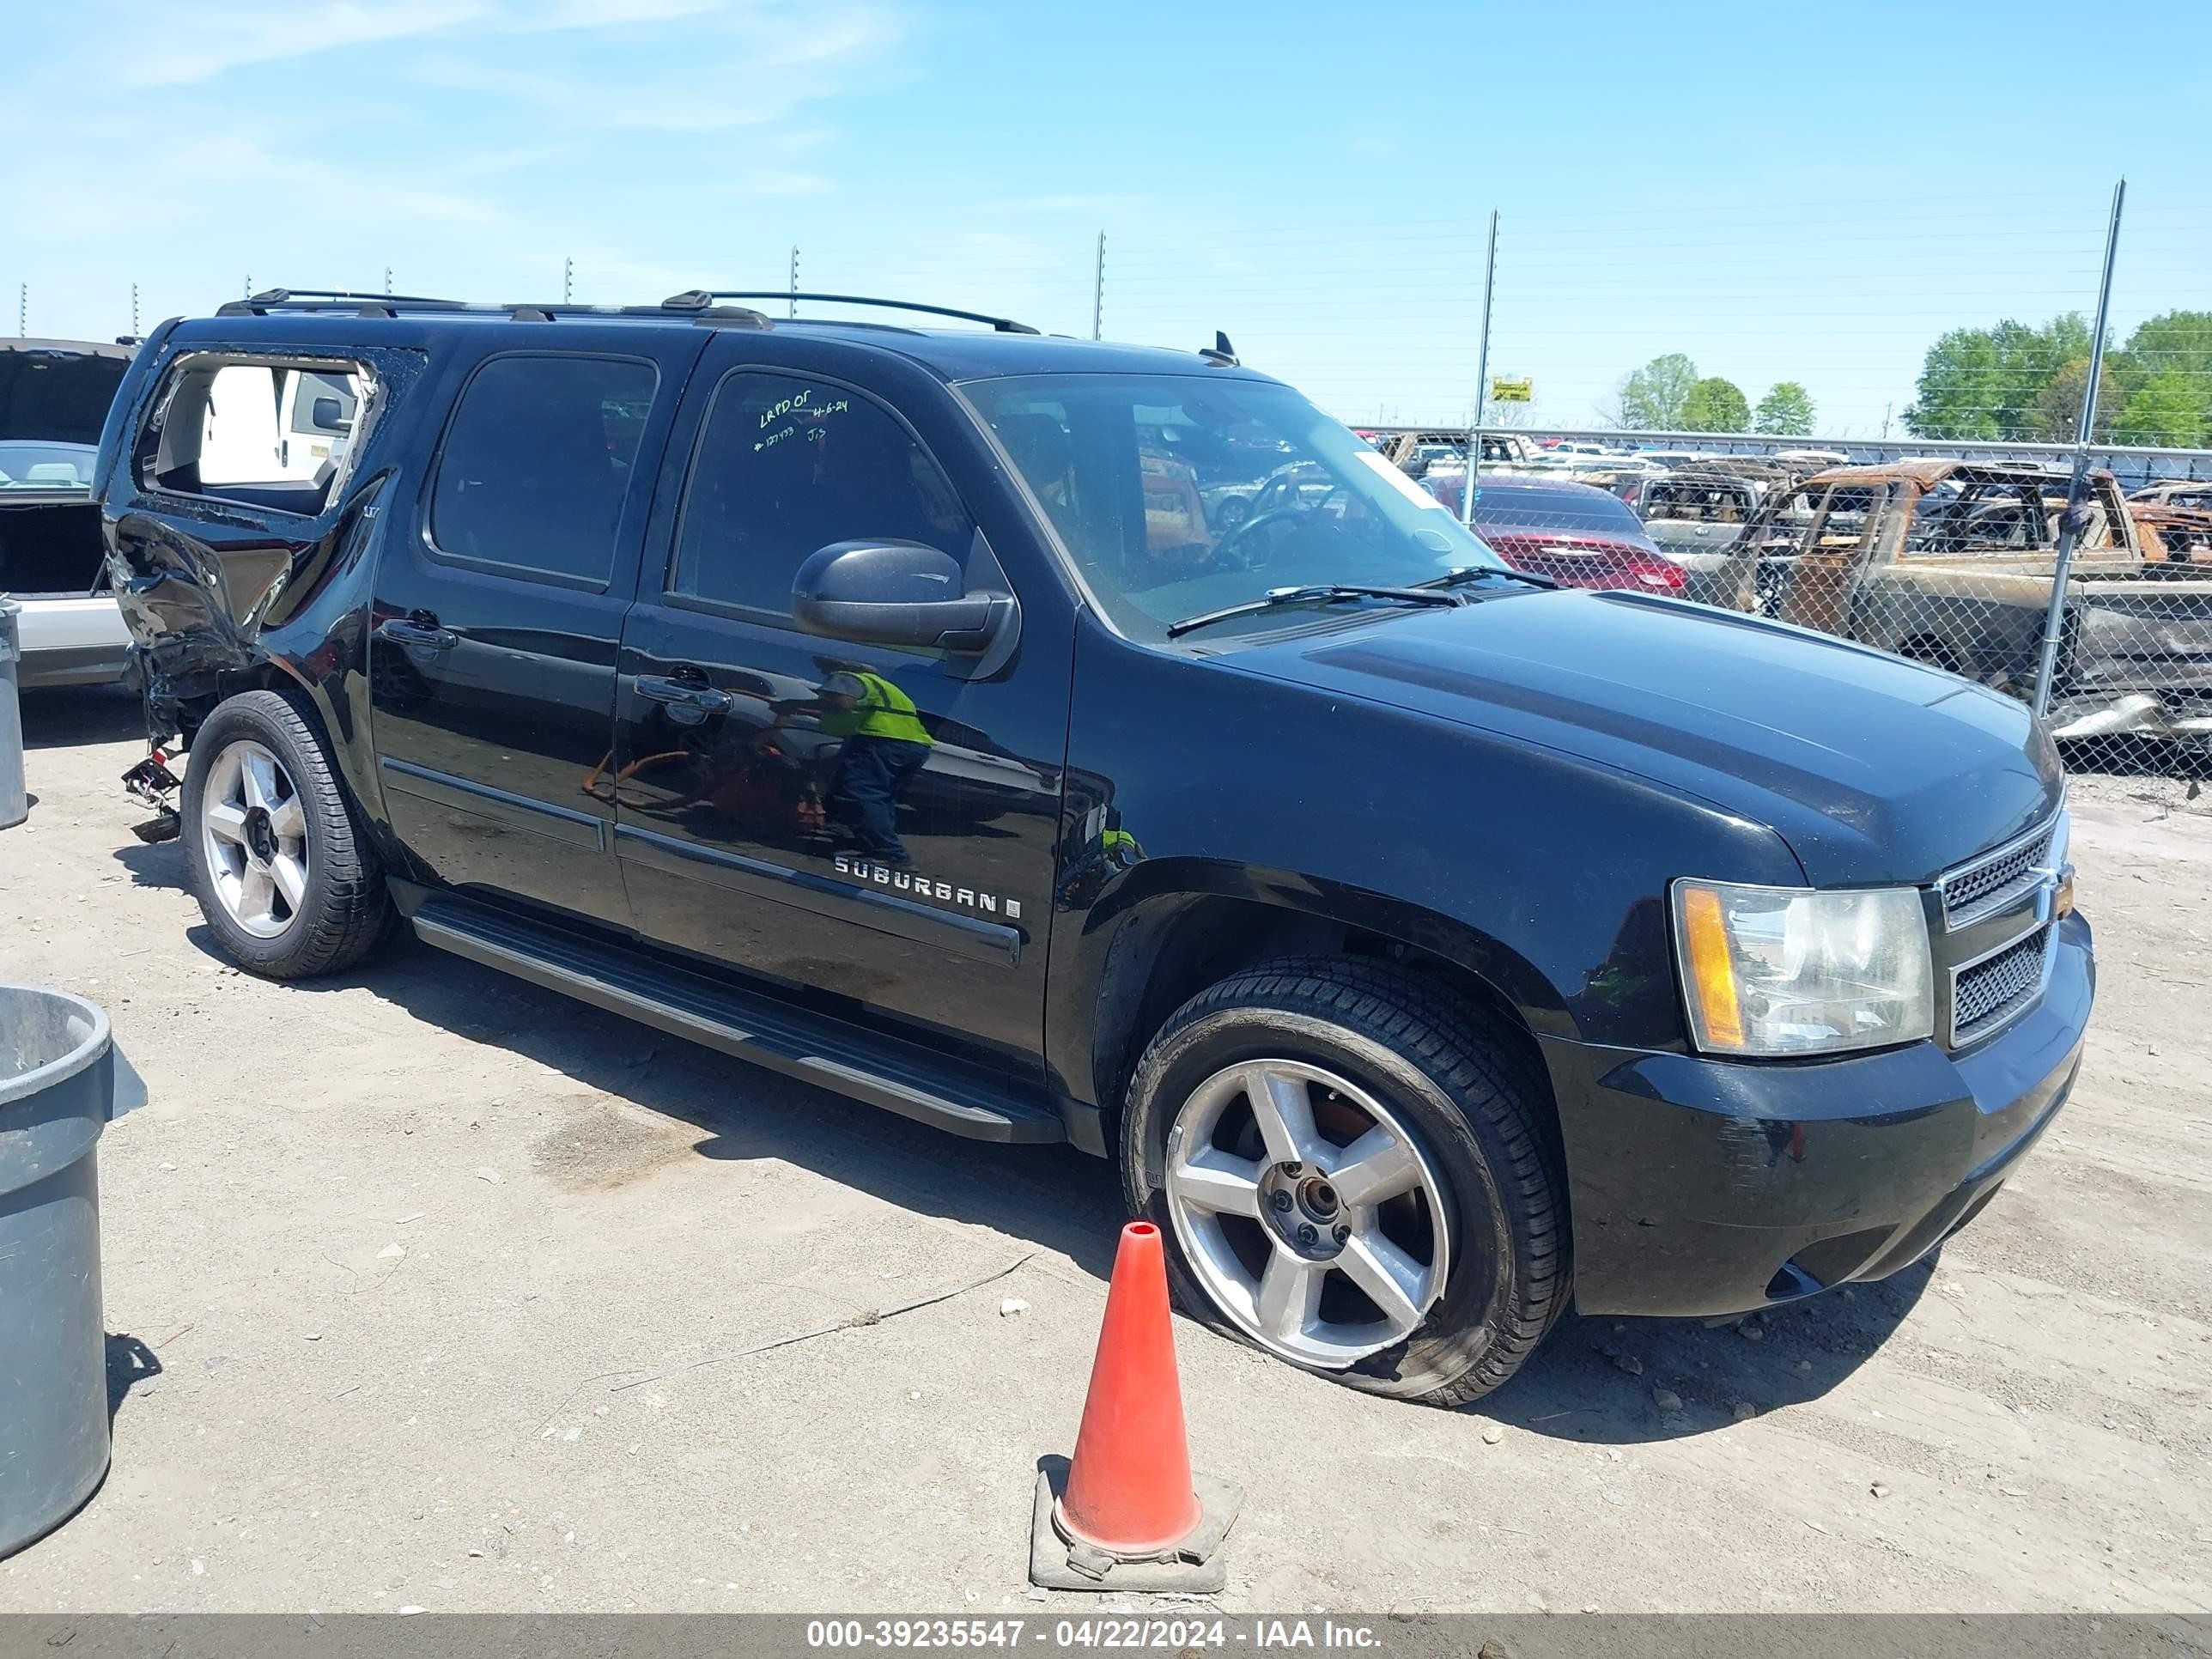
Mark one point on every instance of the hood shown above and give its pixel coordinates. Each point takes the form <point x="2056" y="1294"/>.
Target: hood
<point x="1872" y="770"/>
<point x="58" y="390"/>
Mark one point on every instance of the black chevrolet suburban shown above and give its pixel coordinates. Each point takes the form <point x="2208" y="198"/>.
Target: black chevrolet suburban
<point x="1052" y="740"/>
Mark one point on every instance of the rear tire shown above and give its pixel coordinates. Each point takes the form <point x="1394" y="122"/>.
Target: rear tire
<point x="281" y="864"/>
<point x="1402" y="1067"/>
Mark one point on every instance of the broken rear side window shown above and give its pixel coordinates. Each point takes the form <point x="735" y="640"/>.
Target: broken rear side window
<point x="267" y="432"/>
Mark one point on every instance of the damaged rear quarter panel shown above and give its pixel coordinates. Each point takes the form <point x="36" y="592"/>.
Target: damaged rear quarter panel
<point x="218" y="592"/>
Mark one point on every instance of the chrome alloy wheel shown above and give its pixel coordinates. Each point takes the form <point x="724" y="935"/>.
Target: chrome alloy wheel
<point x="1307" y="1211"/>
<point x="254" y="833"/>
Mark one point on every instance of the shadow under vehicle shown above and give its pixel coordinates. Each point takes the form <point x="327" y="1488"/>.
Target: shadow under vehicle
<point x="1951" y="564"/>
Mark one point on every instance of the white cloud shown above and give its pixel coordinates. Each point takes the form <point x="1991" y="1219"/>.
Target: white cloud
<point x="468" y="144"/>
<point x="605" y="14"/>
<point x="752" y="65"/>
<point x="197" y="43"/>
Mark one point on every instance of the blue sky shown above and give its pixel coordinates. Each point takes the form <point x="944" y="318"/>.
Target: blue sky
<point x="1781" y="191"/>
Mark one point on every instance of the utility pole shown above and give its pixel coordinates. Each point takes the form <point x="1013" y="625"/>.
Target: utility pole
<point x="1098" y="292"/>
<point x="567" y="280"/>
<point x="794" y="279"/>
<point x="2054" y="619"/>
<point x="1886" y="408"/>
<point x="248" y="295"/>
<point x="1481" y="381"/>
<point x="23" y="311"/>
<point x="134" y="312"/>
<point x="387" y="279"/>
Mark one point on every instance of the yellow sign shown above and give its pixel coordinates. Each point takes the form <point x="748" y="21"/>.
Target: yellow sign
<point x="1510" y="392"/>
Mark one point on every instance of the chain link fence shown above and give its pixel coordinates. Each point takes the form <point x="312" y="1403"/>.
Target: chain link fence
<point x="1955" y="562"/>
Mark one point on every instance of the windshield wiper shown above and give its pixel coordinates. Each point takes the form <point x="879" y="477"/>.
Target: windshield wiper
<point x="1469" y="573"/>
<point x="1319" y="592"/>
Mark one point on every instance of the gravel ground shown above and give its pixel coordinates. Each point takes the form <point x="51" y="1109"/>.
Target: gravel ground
<point x="430" y="1289"/>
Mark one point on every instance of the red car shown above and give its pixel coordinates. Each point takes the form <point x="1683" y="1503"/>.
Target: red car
<point x="1576" y="534"/>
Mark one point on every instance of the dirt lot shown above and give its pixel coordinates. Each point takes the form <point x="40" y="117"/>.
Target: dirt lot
<point x="425" y="1286"/>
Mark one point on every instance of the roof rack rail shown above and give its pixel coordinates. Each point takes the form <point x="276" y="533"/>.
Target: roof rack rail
<point x="697" y="297"/>
<point x="327" y="299"/>
<point x="700" y="308"/>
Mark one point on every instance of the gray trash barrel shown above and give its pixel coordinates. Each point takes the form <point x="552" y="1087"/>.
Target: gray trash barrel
<point x="15" y="804"/>
<point x="58" y="1074"/>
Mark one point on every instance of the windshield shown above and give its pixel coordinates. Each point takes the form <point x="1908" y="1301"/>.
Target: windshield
<point x="27" y="466"/>
<point x="1177" y="494"/>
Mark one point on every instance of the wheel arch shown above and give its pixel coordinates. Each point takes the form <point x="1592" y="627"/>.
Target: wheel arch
<point x="1163" y="934"/>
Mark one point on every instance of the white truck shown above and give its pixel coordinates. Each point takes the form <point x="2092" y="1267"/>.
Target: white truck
<point x="54" y="400"/>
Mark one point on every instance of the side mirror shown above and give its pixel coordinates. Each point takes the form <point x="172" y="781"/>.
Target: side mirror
<point x="887" y="592"/>
<point x="328" y="415"/>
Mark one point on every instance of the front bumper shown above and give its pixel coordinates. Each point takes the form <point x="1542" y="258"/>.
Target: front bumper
<point x="1703" y="1187"/>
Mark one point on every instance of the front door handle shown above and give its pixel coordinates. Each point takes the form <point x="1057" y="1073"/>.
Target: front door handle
<point x="410" y="630"/>
<point x="683" y="693"/>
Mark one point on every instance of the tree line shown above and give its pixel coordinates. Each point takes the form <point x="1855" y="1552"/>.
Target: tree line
<point x="1668" y="394"/>
<point x="2012" y="384"/>
<point x="2022" y="385"/>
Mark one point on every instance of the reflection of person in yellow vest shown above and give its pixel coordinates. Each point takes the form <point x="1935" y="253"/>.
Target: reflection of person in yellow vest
<point x="886" y="744"/>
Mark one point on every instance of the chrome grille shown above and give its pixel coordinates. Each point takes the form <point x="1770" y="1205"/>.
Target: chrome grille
<point x="1991" y="881"/>
<point x="1986" y="995"/>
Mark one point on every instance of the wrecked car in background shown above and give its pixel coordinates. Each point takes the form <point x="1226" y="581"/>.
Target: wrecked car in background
<point x="54" y="396"/>
<point x="1414" y="452"/>
<point x="1950" y="562"/>
<point x="1695" y="515"/>
<point x="2192" y="493"/>
<point x="1575" y="534"/>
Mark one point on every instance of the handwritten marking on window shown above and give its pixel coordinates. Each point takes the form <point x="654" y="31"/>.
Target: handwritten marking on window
<point x="800" y="406"/>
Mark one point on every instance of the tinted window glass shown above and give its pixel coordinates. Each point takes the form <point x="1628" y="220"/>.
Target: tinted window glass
<point x="538" y="461"/>
<point x="788" y="465"/>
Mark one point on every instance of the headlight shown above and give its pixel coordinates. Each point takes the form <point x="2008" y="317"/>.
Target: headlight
<point x="1789" y="970"/>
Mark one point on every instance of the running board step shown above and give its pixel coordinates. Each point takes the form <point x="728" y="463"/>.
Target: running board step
<point x="899" y="1077"/>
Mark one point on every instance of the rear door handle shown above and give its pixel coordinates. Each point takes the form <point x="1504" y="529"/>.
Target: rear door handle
<point x="401" y="630"/>
<point x="683" y="693"/>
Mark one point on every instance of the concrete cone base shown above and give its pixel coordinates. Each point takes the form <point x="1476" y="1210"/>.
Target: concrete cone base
<point x="1198" y="1564"/>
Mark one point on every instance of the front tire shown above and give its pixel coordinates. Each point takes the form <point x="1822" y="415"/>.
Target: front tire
<point x="282" y="870"/>
<point x="1350" y="1168"/>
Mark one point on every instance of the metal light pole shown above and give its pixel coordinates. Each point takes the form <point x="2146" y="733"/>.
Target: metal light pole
<point x="2054" y="619"/>
<point x="1481" y="381"/>
<point x="1098" y="292"/>
<point x="794" y="279"/>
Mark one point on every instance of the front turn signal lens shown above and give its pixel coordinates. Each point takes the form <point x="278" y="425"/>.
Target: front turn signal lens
<point x="1711" y="970"/>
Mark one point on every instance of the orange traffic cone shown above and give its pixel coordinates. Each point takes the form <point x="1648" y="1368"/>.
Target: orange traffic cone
<point x="1127" y="1514"/>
